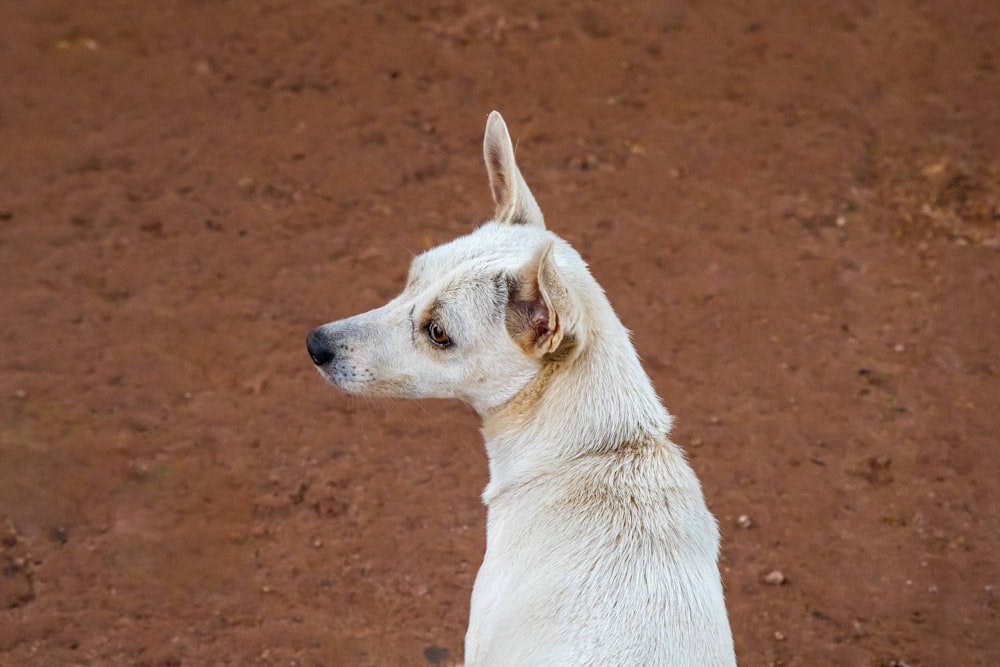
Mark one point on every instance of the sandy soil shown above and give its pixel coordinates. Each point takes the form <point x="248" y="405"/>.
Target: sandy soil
<point x="796" y="209"/>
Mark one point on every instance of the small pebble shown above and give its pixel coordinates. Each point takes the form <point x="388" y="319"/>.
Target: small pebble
<point x="744" y="521"/>
<point x="779" y="635"/>
<point x="436" y="655"/>
<point x="841" y="221"/>
<point x="20" y="393"/>
<point x="317" y="543"/>
<point x="900" y="347"/>
<point x="774" y="578"/>
<point x="60" y="534"/>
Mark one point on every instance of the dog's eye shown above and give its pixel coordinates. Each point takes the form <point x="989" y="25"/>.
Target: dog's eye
<point x="437" y="334"/>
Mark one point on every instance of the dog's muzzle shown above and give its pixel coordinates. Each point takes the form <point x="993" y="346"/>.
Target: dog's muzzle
<point x="319" y="347"/>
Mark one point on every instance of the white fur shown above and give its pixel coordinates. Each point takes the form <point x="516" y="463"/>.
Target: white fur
<point x="600" y="549"/>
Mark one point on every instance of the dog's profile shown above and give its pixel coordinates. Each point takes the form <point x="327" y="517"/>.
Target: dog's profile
<point x="600" y="550"/>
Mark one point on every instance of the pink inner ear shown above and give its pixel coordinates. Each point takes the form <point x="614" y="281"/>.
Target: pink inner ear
<point x="540" y="317"/>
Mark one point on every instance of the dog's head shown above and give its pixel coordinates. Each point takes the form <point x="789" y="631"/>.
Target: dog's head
<point x="479" y="316"/>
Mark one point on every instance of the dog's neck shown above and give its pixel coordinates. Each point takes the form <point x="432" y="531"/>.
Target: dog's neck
<point x="599" y="401"/>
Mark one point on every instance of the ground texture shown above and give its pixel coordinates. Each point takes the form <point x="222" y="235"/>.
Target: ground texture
<point x="794" y="206"/>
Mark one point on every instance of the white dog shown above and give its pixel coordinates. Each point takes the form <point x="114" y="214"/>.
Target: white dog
<point x="600" y="549"/>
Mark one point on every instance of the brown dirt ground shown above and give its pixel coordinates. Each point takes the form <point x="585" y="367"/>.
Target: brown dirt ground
<point x="795" y="206"/>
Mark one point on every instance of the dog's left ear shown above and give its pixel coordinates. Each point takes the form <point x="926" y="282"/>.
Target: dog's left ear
<point x="515" y="203"/>
<point x="541" y="315"/>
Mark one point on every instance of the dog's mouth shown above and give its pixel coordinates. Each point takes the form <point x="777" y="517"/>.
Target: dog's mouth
<point x="344" y="377"/>
<point x="364" y="383"/>
<point x="326" y="375"/>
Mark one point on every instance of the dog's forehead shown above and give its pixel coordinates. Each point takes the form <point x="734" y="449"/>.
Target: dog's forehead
<point x="491" y="248"/>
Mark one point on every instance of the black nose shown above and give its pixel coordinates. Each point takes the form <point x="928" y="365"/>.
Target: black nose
<point x="319" y="348"/>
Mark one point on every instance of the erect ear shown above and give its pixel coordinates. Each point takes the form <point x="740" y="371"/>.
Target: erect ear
<point x="515" y="203"/>
<point x="541" y="315"/>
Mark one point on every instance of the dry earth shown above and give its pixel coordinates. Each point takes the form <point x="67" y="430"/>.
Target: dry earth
<point x="795" y="206"/>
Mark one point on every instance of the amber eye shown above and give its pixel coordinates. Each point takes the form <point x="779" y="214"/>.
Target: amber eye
<point x="437" y="334"/>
